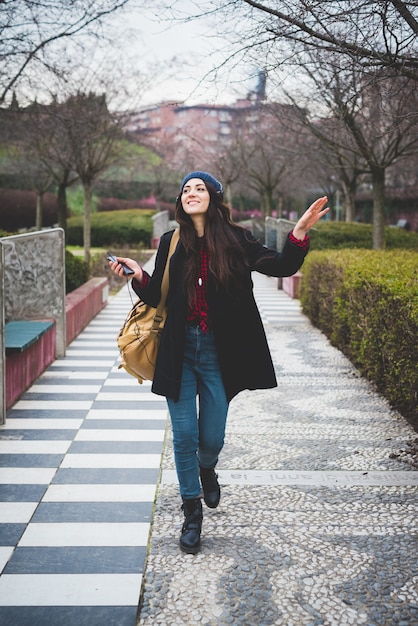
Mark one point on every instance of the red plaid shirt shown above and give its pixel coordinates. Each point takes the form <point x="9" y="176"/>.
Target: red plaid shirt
<point x="302" y="243"/>
<point x="198" y="312"/>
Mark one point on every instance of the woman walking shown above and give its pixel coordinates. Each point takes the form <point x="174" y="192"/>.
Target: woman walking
<point x="213" y="344"/>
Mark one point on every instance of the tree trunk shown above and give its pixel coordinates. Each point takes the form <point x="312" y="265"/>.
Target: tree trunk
<point x="39" y="198"/>
<point x="378" y="180"/>
<point x="268" y="202"/>
<point x="228" y="195"/>
<point x="241" y="204"/>
<point x="62" y="205"/>
<point x="280" y="207"/>
<point x="349" y="201"/>
<point x="87" y="221"/>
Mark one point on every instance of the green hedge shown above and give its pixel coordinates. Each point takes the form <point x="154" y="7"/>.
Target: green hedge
<point x="329" y="235"/>
<point x="132" y="226"/>
<point x="366" y="302"/>
<point x="76" y="272"/>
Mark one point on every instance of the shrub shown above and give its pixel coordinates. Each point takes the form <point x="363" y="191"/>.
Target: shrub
<point x="366" y="302"/>
<point x="76" y="272"/>
<point x="4" y="233"/>
<point x="113" y="228"/>
<point x="18" y="209"/>
<point x="329" y="235"/>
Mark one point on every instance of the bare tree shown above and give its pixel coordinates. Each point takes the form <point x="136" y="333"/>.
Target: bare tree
<point x="55" y="152"/>
<point x="39" y="147"/>
<point x="330" y="154"/>
<point x="39" y="179"/>
<point x="383" y="121"/>
<point x="369" y="120"/>
<point x="228" y="166"/>
<point x="165" y="165"/>
<point x="93" y="135"/>
<point x="270" y="153"/>
<point x="32" y="30"/>
<point x="377" y="41"/>
<point x="377" y="34"/>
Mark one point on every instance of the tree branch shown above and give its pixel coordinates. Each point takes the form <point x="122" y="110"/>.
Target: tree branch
<point x="406" y="65"/>
<point x="406" y="14"/>
<point x="14" y="46"/>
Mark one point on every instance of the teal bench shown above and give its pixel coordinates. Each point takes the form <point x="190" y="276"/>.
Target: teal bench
<point x="22" y="334"/>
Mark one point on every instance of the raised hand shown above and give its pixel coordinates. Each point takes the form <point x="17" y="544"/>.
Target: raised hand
<point x="310" y="217"/>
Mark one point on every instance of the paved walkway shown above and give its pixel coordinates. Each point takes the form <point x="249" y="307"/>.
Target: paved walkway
<point x="80" y="457"/>
<point x="317" y="521"/>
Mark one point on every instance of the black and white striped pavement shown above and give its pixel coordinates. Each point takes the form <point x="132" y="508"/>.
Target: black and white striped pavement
<point x="79" y="465"/>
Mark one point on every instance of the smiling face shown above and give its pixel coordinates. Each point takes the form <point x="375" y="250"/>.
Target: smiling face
<point x="195" y="198"/>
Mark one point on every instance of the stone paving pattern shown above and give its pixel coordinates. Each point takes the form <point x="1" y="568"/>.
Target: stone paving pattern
<point x="317" y="521"/>
<point x="338" y="550"/>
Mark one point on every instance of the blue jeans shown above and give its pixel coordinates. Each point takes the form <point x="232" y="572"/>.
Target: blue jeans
<point x="198" y="427"/>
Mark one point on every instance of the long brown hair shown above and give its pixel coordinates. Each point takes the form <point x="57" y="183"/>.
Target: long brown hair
<point x="226" y="254"/>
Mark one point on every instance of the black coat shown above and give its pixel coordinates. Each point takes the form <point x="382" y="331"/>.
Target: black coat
<point x="243" y="352"/>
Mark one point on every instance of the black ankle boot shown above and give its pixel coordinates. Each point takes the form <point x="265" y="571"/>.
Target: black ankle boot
<point x="210" y="486"/>
<point x="192" y="527"/>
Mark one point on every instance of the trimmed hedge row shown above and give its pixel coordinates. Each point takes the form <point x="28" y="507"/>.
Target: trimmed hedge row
<point x="76" y="272"/>
<point x="328" y="235"/>
<point x="366" y="303"/>
<point x="132" y="226"/>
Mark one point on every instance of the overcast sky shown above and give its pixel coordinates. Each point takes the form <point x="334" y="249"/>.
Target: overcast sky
<point x="156" y="39"/>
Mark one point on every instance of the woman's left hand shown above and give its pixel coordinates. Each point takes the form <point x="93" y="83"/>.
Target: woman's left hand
<point x="310" y="217"/>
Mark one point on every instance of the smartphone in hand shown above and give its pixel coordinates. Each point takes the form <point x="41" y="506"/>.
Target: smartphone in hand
<point x="126" y="270"/>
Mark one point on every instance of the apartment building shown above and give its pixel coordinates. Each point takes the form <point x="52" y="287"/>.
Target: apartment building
<point x="198" y="127"/>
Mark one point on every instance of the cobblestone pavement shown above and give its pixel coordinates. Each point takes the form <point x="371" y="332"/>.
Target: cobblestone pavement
<point x="317" y="520"/>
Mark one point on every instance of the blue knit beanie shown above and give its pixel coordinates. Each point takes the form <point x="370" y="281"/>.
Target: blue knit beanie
<point x="207" y="178"/>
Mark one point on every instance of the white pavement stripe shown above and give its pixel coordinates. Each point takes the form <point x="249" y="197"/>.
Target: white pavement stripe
<point x="313" y="478"/>
<point x="73" y="389"/>
<point x="85" y="534"/>
<point x="103" y="324"/>
<point x="53" y="405"/>
<point x="34" y="447"/>
<point x="115" y="316"/>
<point x="298" y="430"/>
<point x="289" y="319"/>
<point x="113" y="461"/>
<point x="271" y="310"/>
<point x="93" y="434"/>
<point x="92" y="335"/>
<point x="127" y="381"/>
<point x="26" y="423"/>
<point x="269" y="307"/>
<point x="70" y="589"/>
<point x="5" y="555"/>
<point x="100" y="493"/>
<point x="27" y="475"/>
<point x="16" y="512"/>
<point x="93" y="363"/>
<point x="80" y="352"/>
<point x="74" y="375"/>
<point x="106" y="330"/>
<point x="121" y="372"/>
<point x="80" y="342"/>
<point x="110" y="414"/>
<point x="138" y="396"/>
